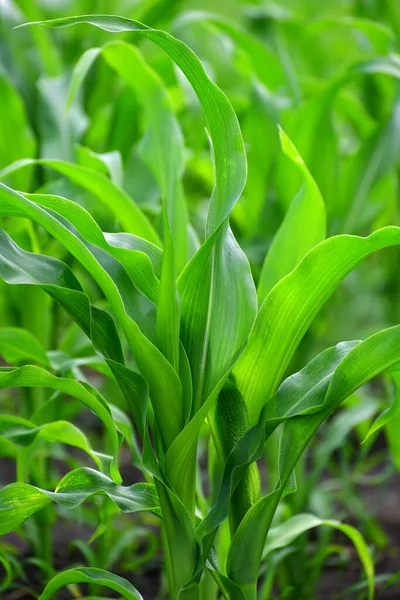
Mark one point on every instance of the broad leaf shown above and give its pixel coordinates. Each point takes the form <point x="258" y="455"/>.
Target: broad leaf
<point x="91" y="576"/>
<point x="303" y="227"/>
<point x="290" y="307"/>
<point x="18" y="501"/>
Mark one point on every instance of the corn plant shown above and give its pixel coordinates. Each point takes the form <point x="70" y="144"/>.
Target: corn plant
<point x="189" y="339"/>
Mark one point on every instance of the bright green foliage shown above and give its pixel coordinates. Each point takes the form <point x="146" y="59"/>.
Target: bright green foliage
<point x="191" y="336"/>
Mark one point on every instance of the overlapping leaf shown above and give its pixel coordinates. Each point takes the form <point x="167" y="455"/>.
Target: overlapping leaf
<point x="18" y="266"/>
<point x="162" y="146"/>
<point x="115" y="284"/>
<point x="290" y="307"/>
<point x="31" y="376"/>
<point x="367" y="359"/>
<point x="120" y="204"/>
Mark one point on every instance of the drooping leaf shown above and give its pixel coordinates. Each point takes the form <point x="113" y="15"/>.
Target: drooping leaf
<point x="290" y="307"/>
<point x="18" y="501"/>
<point x="120" y="204"/>
<point x="21" y="267"/>
<point x="91" y="576"/>
<point x="23" y="433"/>
<point x="136" y="255"/>
<point x="227" y="141"/>
<point x="158" y="372"/>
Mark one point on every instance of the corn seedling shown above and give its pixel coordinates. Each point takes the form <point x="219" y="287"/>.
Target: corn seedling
<point x="184" y="332"/>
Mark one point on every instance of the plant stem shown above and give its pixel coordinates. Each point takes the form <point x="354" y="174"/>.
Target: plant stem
<point x="250" y="591"/>
<point x="191" y="593"/>
<point x="208" y="587"/>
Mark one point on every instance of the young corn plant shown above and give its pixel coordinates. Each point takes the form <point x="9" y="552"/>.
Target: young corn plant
<point x="189" y="338"/>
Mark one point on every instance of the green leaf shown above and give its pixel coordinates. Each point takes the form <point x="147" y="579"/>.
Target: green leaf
<point x="295" y="395"/>
<point x="31" y="376"/>
<point x="218" y="310"/>
<point x="18" y="266"/>
<point x="109" y="163"/>
<point x="260" y="131"/>
<point x="162" y="146"/>
<point x="291" y="306"/>
<point x="114" y="282"/>
<point x="91" y="576"/>
<point x="17" y="140"/>
<point x="285" y="533"/>
<point x="314" y="127"/>
<point x="381" y="36"/>
<point x="227" y="141"/>
<point x="335" y="435"/>
<point x="7" y="578"/>
<point x="17" y="344"/>
<point x="169" y="303"/>
<point x="303" y="227"/>
<point x="180" y="536"/>
<point x="392" y="434"/>
<point x="80" y="71"/>
<point x="137" y="256"/>
<point x="266" y="65"/>
<point x="23" y="433"/>
<point x="222" y="345"/>
<point x="375" y="355"/>
<point x="19" y="501"/>
<point x="227" y="586"/>
<point x="377" y="156"/>
<point x="228" y="423"/>
<point x="119" y="203"/>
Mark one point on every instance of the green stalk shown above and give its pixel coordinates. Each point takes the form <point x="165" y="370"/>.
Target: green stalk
<point x="179" y="544"/>
<point x="22" y="465"/>
<point x="44" y="520"/>
<point x="266" y="589"/>
<point x="208" y="587"/>
<point x="250" y="591"/>
<point x="37" y="318"/>
<point x="106" y="542"/>
<point x="167" y="559"/>
<point x="245" y="495"/>
<point x="191" y="593"/>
